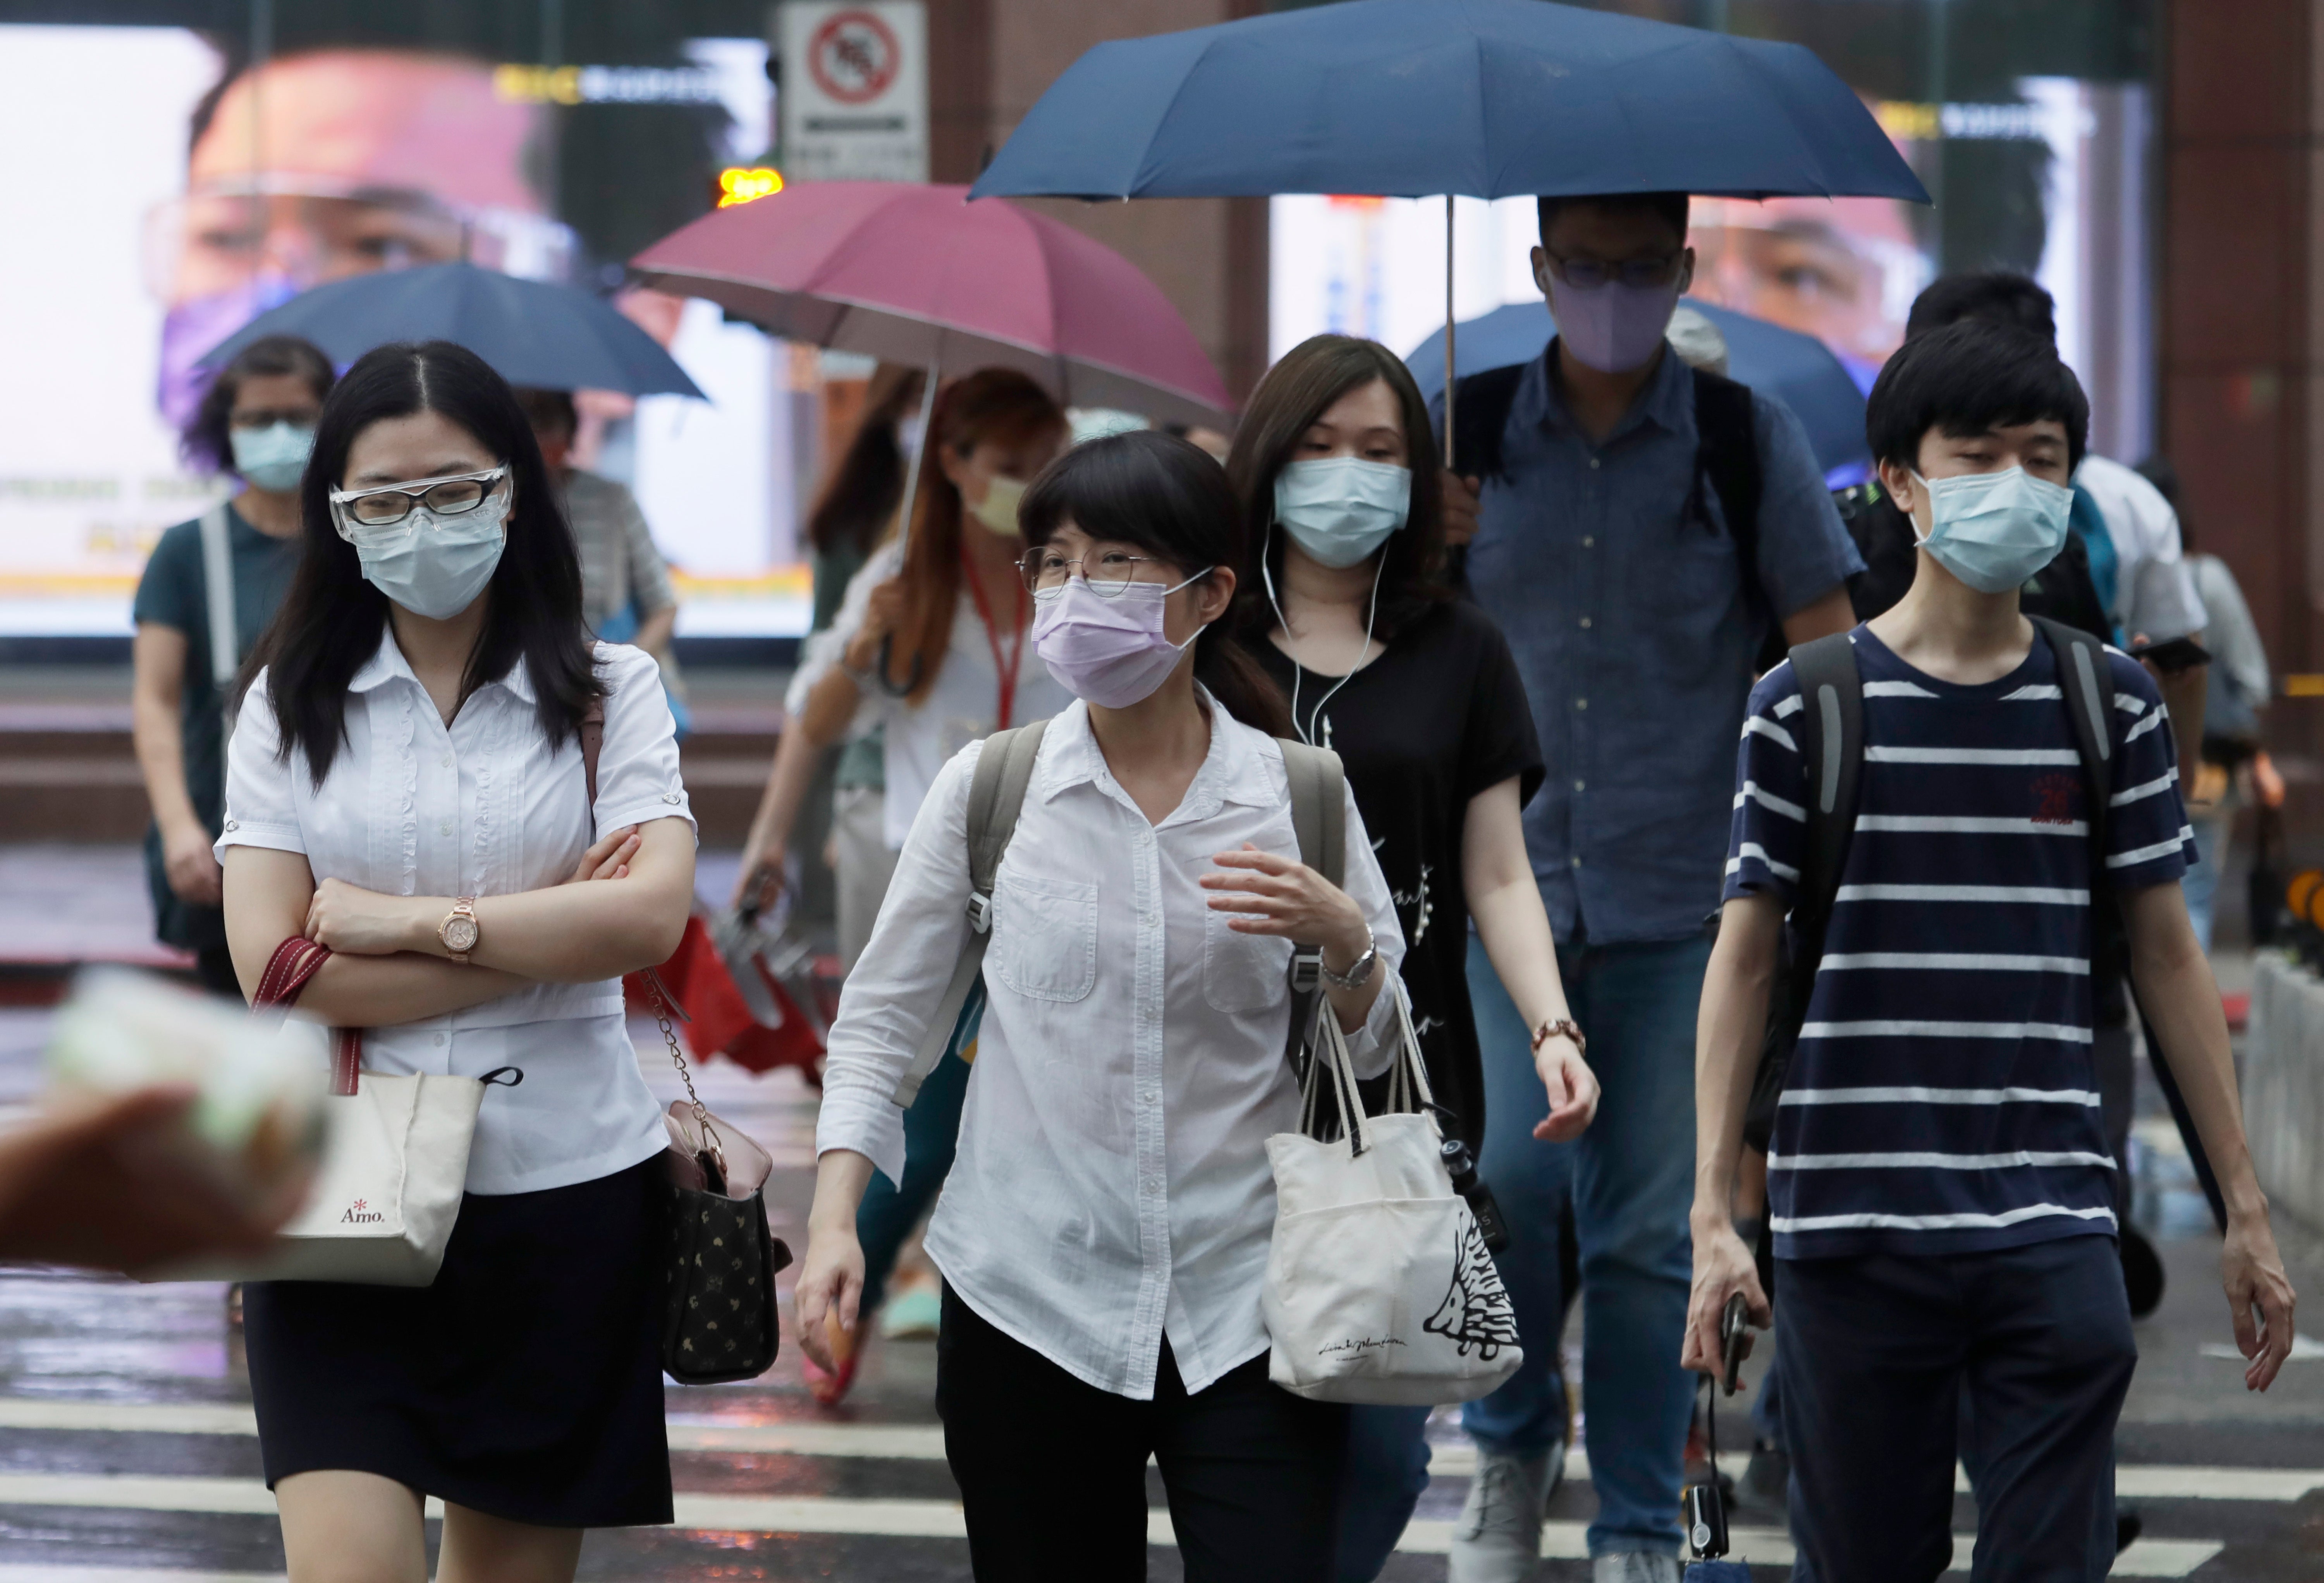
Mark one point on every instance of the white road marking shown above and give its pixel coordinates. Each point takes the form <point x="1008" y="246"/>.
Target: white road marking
<point x="45" y="1573"/>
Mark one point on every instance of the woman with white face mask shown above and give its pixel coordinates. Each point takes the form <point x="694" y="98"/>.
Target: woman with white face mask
<point x="257" y="422"/>
<point x="406" y="787"/>
<point x="932" y="646"/>
<point x="1341" y="602"/>
<point x="1104" y="1233"/>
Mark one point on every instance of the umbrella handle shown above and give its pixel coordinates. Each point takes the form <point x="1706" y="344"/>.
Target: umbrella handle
<point x="1448" y="332"/>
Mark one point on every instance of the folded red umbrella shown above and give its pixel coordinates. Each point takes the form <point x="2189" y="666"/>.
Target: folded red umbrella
<point x="715" y="1017"/>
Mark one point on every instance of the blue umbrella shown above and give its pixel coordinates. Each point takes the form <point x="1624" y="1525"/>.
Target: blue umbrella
<point x="1796" y="368"/>
<point x="1486" y="98"/>
<point x="532" y="332"/>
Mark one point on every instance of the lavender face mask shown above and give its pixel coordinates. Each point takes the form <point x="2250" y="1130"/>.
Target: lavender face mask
<point x="1613" y="327"/>
<point x="1108" y="650"/>
<point x="193" y="327"/>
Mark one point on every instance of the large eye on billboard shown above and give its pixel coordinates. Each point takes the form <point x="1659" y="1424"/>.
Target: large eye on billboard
<point x="204" y="196"/>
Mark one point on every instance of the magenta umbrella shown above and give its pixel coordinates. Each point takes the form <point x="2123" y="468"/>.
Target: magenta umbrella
<point x="917" y="274"/>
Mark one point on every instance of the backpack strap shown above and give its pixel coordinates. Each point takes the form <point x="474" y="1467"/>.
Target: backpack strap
<point x="996" y="795"/>
<point x="2087" y="683"/>
<point x="1830" y="730"/>
<point x="1480" y="413"/>
<point x="217" y="589"/>
<point x="1726" y="459"/>
<point x="1319" y="818"/>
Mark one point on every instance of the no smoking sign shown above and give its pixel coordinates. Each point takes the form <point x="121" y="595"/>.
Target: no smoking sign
<point x="853" y="56"/>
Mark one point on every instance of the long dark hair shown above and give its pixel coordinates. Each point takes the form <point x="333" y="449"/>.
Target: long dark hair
<point x="1297" y="392"/>
<point x="207" y="441"/>
<point x="331" y="622"/>
<point x="867" y="486"/>
<point x="999" y="405"/>
<point x="1167" y="496"/>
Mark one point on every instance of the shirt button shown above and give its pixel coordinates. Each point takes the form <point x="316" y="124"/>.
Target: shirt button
<point x="233" y="825"/>
<point x="1585" y="623"/>
<point x="1577" y="786"/>
<point x="445" y="827"/>
<point x="1577" y="860"/>
<point x="1593" y="463"/>
<point x="447" y="760"/>
<point x="439" y="1040"/>
<point x="1589" y="541"/>
<point x="669" y="797"/>
<point x="1581" y="702"/>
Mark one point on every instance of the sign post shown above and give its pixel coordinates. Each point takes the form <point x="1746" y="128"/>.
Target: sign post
<point x="854" y="99"/>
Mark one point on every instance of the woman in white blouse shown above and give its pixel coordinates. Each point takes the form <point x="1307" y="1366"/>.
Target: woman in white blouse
<point x="932" y="642"/>
<point x="406" y="786"/>
<point x="1103" y="1234"/>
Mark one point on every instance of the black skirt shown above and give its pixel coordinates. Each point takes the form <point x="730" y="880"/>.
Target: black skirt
<point x="525" y="1383"/>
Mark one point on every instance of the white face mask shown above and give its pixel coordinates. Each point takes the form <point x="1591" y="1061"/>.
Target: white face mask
<point x="436" y="566"/>
<point x="1340" y="510"/>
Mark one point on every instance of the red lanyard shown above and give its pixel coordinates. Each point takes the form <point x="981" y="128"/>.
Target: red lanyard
<point x="1006" y="669"/>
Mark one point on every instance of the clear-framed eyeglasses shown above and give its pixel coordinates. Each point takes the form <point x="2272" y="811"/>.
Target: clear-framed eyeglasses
<point x="456" y="495"/>
<point x="1108" y="571"/>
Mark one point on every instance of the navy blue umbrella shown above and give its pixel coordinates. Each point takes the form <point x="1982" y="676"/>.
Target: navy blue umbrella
<point x="1484" y="99"/>
<point x="1797" y="369"/>
<point x="532" y="332"/>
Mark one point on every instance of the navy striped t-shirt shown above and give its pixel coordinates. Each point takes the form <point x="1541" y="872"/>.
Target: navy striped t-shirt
<point x="1942" y="1098"/>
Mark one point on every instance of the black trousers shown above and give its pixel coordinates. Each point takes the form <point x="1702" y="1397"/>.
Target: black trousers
<point x="1884" y="1360"/>
<point x="1052" y="1471"/>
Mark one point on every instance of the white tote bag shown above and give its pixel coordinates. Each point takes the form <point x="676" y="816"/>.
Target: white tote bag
<point x="395" y="1162"/>
<point x="1379" y="1286"/>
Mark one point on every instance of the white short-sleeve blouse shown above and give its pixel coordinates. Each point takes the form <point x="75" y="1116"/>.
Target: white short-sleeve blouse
<point x="484" y="806"/>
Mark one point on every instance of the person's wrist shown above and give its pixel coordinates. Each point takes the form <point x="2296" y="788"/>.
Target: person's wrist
<point x="1710" y="1220"/>
<point x="423" y="918"/>
<point x="1352" y="939"/>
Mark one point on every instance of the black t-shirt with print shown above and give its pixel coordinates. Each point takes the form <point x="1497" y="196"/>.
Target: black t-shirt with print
<point x="1439" y="717"/>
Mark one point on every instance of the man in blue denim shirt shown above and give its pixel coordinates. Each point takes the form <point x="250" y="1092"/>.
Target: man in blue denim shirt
<point x="1607" y="560"/>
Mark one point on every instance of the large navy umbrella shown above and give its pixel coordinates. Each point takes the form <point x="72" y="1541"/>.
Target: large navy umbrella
<point x="1479" y="98"/>
<point x="532" y="332"/>
<point x="1796" y="368"/>
<point x="1485" y="99"/>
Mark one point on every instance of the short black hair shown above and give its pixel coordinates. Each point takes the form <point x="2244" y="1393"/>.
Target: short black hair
<point x="1670" y="207"/>
<point x="1965" y="379"/>
<point x="548" y="411"/>
<point x="207" y="441"/>
<point x="1996" y="296"/>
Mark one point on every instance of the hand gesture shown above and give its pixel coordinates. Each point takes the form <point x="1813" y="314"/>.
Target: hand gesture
<point x="1460" y="497"/>
<point x="1572" y="1087"/>
<point x="1283" y="897"/>
<point x="1722" y="1267"/>
<point x="609" y="859"/>
<point x="361" y="922"/>
<point x="2260" y="1299"/>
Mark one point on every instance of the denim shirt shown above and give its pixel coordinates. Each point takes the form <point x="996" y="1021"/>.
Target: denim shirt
<point x="1625" y="607"/>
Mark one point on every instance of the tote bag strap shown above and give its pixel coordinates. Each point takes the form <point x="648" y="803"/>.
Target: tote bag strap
<point x="294" y="962"/>
<point x="218" y="589"/>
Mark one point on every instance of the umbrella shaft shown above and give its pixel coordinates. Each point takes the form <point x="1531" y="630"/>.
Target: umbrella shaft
<point x="1448" y="330"/>
<point x="912" y="473"/>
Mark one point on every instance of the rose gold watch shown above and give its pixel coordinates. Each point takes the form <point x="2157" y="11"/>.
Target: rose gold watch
<point x="459" y="931"/>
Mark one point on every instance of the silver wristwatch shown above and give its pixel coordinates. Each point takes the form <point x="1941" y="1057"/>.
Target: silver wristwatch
<point x="1355" y="977"/>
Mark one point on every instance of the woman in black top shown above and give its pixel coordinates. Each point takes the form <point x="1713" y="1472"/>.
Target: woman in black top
<point x="1416" y="692"/>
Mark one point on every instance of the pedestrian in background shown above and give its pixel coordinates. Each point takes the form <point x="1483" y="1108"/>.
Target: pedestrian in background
<point x="257" y="421"/>
<point x="411" y="761"/>
<point x="1343" y="604"/>
<point x="1638" y="581"/>
<point x="932" y="645"/>
<point x="2235" y="704"/>
<point x="1942" y="1194"/>
<point x="1104" y="1233"/>
<point x="626" y="595"/>
<point x="856" y="513"/>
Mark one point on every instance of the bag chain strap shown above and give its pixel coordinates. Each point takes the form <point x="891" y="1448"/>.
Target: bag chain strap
<point x="686" y="1075"/>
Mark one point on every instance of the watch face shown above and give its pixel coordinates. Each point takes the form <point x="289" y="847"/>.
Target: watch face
<point x="459" y="933"/>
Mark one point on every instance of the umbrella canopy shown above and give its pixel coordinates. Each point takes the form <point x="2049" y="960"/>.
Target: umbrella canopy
<point x="916" y="274"/>
<point x="533" y="332"/>
<point x="1483" y="98"/>
<point x="1796" y="368"/>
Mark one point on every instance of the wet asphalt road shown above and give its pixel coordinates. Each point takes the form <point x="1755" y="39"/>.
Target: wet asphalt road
<point x="126" y="1457"/>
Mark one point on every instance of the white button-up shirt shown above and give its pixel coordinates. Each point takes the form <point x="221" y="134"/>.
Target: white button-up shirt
<point x="1112" y="1185"/>
<point x="482" y="807"/>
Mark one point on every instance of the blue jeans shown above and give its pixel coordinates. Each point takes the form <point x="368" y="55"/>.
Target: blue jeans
<point x="1631" y="1180"/>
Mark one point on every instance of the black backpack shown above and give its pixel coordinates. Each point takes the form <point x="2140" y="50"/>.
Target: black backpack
<point x="1831" y="732"/>
<point x="1726" y="462"/>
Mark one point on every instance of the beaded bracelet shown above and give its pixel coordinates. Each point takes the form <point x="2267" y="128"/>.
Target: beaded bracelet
<point x="1564" y="1026"/>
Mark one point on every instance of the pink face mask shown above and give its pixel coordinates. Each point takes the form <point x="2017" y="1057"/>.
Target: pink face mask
<point x="1108" y="650"/>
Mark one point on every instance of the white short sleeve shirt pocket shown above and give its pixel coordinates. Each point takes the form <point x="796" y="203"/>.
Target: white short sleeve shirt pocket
<point x="1044" y="935"/>
<point x="1243" y="972"/>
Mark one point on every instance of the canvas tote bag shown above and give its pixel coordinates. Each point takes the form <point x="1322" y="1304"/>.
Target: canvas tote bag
<point x="1379" y="1286"/>
<point x="395" y="1162"/>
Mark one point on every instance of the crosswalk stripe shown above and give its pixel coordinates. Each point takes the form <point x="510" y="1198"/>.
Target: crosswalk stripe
<point x="886" y="1518"/>
<point x="924" y="1442"/>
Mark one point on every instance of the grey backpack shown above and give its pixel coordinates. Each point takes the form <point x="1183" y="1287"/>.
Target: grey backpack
<point x="996" y="795"/>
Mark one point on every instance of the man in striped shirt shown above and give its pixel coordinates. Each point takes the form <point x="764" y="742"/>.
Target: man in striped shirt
<point x="1940" y="1186"/>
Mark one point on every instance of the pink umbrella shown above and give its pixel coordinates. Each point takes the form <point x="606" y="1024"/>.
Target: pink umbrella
<point x="919" y="274"/>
